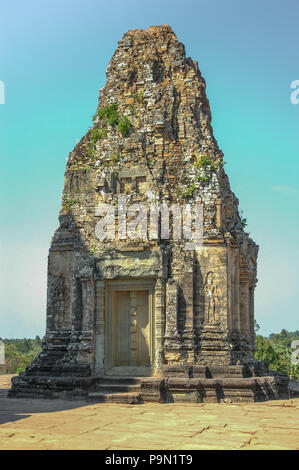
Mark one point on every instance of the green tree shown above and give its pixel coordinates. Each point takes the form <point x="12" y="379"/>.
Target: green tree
<point x="264" y="350"/>
<point x="278" y="356"/>
<point x="19" y="353"/>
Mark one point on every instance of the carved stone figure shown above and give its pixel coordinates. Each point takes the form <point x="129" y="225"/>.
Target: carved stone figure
<point x="59" y="292"/>
<point x="210" y="298"/>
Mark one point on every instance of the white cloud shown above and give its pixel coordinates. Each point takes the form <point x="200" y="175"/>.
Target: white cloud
<point x="284" y="189"/>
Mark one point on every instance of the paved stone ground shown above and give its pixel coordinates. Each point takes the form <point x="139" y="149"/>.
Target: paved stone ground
<point x="57" y="424"/>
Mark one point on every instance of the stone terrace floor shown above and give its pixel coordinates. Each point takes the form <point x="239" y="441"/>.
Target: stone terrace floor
<point x="57" y="424"/>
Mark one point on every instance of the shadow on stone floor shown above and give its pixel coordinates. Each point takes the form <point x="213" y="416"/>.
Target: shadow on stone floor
<point x="10" y="418"/>
<point x="14" y="409"/>
<point x="3" y="392"/>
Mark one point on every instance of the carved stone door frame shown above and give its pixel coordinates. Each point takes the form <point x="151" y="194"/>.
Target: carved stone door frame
<point x="112" y="287"/>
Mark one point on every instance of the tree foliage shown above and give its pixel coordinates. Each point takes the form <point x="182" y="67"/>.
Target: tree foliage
<point x="276" y="350"/>
<point x="19" y="353"/>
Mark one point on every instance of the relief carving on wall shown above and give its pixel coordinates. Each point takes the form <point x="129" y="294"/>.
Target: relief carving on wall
<point x="59" y="293"/>
<point x="211" y="300"/>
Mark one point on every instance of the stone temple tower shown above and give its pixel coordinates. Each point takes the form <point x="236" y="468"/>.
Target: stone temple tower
<point x="133" y="317"/>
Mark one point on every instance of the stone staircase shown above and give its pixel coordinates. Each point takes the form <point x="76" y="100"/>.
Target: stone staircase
<point x="177" y="383"/>
<point x="117" y="389"/>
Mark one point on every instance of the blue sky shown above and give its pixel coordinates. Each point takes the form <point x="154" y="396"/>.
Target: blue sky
<point x="53" y="57"/>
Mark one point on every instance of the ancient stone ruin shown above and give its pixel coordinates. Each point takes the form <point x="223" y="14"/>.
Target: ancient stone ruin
<point x="133" y="317"/>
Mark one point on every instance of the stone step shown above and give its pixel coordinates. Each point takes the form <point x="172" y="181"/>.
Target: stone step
<point x="118" y="380"/>
<point x="116" y="388"/>
<point x="130" y="398"/>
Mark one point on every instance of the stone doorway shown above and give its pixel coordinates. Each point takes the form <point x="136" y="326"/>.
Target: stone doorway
<point x="129" y="329"/>
<point x="131" y="338"/>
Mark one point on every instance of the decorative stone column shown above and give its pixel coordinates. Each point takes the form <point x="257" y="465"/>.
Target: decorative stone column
<point x="133" y="329"/>
<point x="100" y="328"/>
<point x="244" y="302"/>
<point x="85" y="354"/>
<point x="171" y="330"/>
<point x="187" y="285"/>
<point x="159" y="302"/>
<point x="172" y="344"/>
<point x="87" y="304"/>
<point x="251" y="316"/>
<point x="235" y="298"/>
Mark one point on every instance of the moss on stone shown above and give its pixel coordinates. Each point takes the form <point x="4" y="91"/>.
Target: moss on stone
<point x="124" y="126"/>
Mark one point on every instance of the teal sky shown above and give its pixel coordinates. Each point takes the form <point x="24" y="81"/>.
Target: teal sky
<point x="53" y="57"/>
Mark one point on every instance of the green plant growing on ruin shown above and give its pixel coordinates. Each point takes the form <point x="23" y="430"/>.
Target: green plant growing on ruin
<point x="115" y="158"/>
<point x="85" y="168"/>
<point x="124" y="126"/>
<point x="243" y="220"/>
<point x="204" y="178"/>
<point x="132" y="108"/>
<point x="97" y="134"/>
<point x="67" y="204"/>
<point x="110" y="160"/>
<point x="90" y="152"/>
<point x="109" y="114"/>
<point x="206" y="166"/>
<point x="92" y="249"/>
<point x="139" y="97"/>
<point x="205" y="162"/>
<point x="106" y="163"/>
<point x="189" y="191"/>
